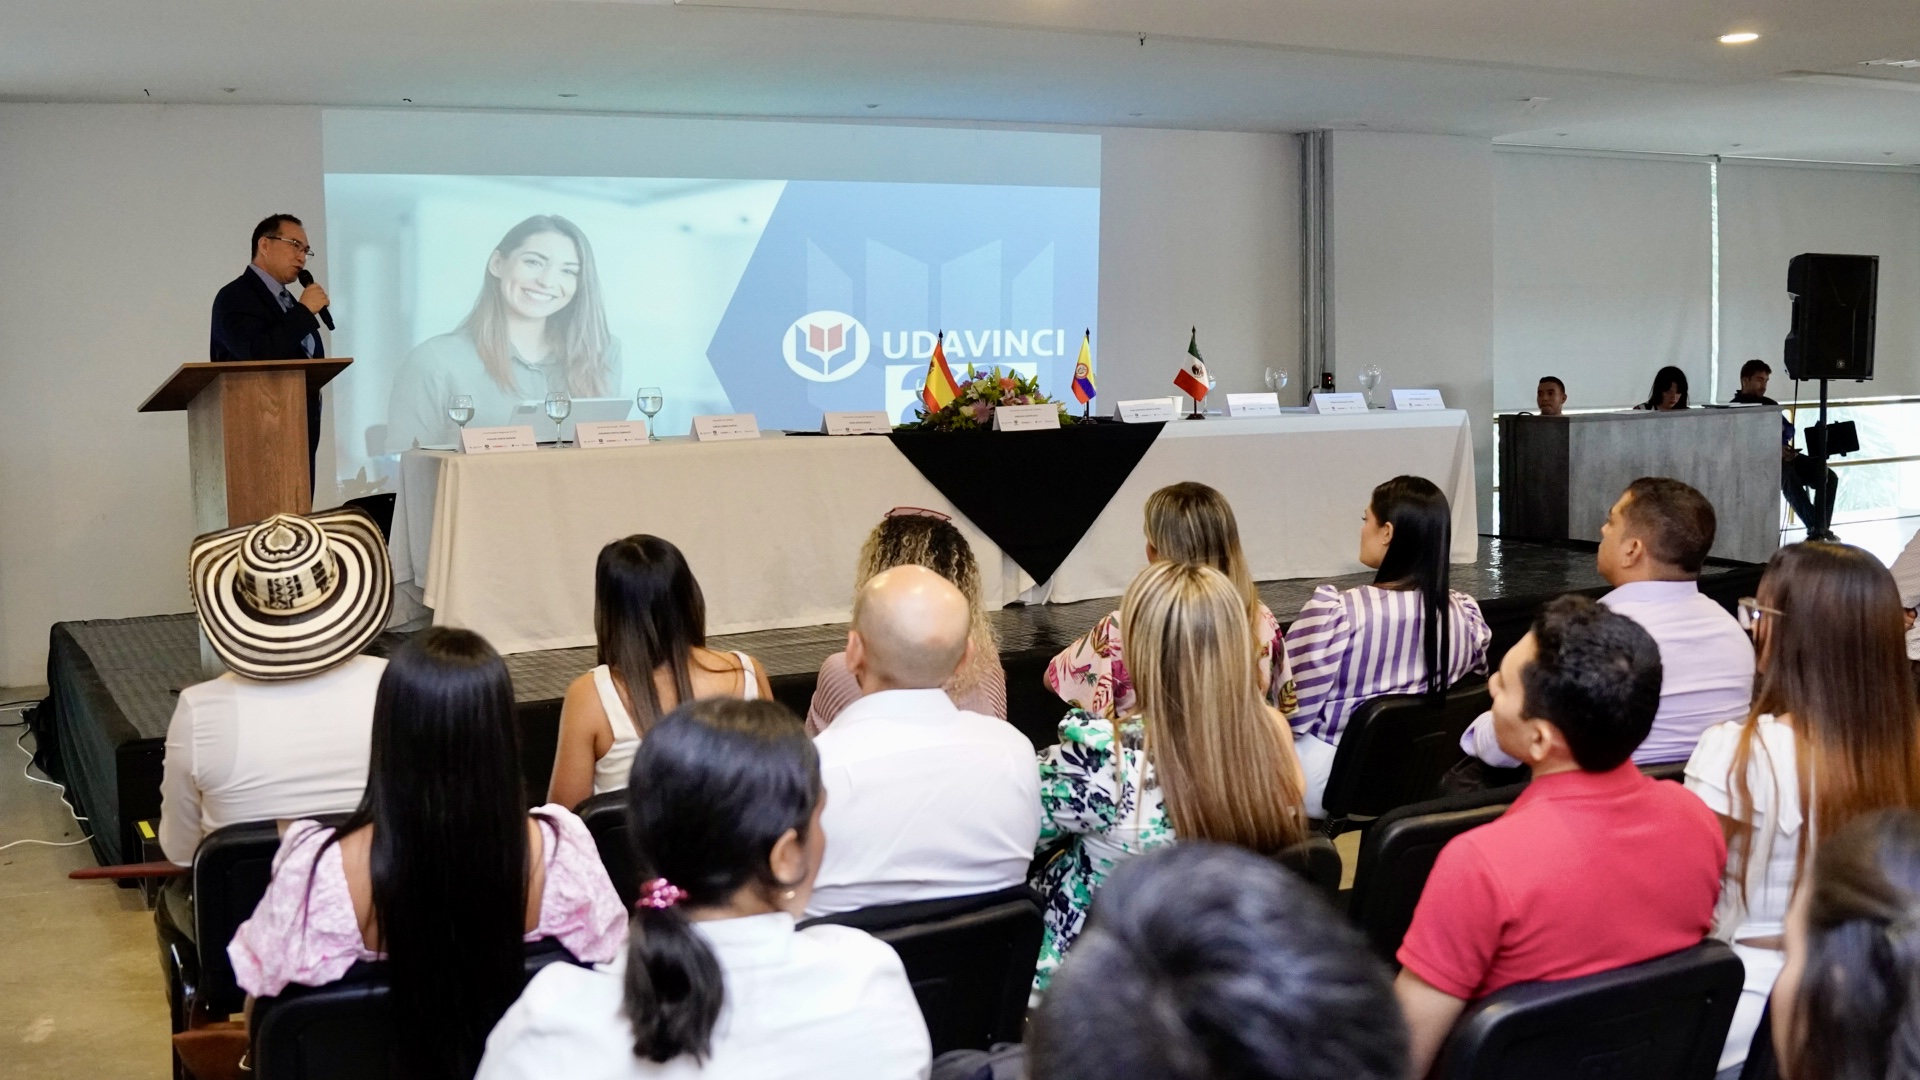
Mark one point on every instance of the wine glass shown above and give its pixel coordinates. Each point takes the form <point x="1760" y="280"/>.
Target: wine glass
<point x="649" y="400"/>
<point x="460" y="410"/>
<point x="559" y="407"/>
<point x="1276" y="380"/>
<point x="1369" y="378"/>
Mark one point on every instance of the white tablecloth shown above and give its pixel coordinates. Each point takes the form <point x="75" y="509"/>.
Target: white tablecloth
<point x="504" y="544"/>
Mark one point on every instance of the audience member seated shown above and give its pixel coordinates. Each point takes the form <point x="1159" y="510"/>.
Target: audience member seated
<point x="1387" y="637"/>
<point x="1204" y="961"/>
<point x="924" y="799"/>
<point x="650" y="626"/>
<point x="1906" y="577"/>
<point x="287" y="605"/>
<point x="716" y="982"/>
<point x="1652" y="547"/>
<point x="441" y="872"/>
<point x="1595" y="866"/>
<point x="909" y="536"/>
<point x="1801" y="477"/>
<point x="1187" y="523"/>
<point x="1834" y="706"/>
<point x="1844" y="1005"/>
<point x="1202" y="757"/>
<point x="1550" y="397"/>
<point x="1669" y="391"/>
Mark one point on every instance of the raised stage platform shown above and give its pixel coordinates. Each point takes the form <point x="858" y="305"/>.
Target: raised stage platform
<point x="113" y="682"/>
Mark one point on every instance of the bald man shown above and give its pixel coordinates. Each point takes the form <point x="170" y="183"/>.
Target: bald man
<point x="924" y="801"/>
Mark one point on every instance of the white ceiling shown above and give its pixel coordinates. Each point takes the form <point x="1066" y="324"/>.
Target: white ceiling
<point x="1617" y="74"/>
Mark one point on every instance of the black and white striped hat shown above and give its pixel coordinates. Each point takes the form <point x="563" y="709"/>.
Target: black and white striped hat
<point x="293" y="595"/>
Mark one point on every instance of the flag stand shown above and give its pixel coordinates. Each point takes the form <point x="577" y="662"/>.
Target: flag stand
<point x="1196" y="414"/>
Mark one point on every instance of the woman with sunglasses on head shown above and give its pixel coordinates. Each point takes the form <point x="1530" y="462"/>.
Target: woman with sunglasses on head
<point x="911" y="536"/>
<point x="724" y="808"/>
<point x="1833" y="734"/>
<point x="650" y="622"/>
<point x="442" y="872"/>
<point x="1185" y="523"/>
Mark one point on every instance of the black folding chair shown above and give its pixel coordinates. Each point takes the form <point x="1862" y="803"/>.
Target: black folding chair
<point x="1394" y="751"/>
<point x="342" y="1031"/>
<point x="606" y="817"/>
<point x="1397" y="854"/>
<point x="1317" y="860"/>
<point x="1666" y="1017"/>
<point x="970" y="960"/>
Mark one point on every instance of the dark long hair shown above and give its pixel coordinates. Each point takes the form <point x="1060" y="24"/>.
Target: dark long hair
<point x="1835" y="658"/>
<point x="449" y="855"/>
<point x="714" y="786"/>
<point x="1856" y="1011"/>
<point x="1417" y="558"/>
<point x="1665" y="377"/>
<point x="648" y="612"/>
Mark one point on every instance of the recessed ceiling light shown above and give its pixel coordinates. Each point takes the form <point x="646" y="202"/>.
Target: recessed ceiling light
<point x="1740" y="38"/>
<point x="873" y="106"/>
<point x="1891" y="63"/>
<point x="569" y="95"/>
<point x="1134" y="114"/>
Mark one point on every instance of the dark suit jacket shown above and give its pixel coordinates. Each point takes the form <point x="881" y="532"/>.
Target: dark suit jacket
<point x="249" y="325"/>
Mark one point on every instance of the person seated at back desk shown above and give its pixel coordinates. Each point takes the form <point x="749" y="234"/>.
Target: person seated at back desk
<point x="1801" y="477"/>
<point x="1550" y="397"/>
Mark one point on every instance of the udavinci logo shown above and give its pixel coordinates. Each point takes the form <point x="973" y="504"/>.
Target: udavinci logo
<point x="825" y="336"/>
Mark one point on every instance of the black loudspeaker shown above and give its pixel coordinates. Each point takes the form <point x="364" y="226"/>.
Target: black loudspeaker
<point x="1833" y="302"/>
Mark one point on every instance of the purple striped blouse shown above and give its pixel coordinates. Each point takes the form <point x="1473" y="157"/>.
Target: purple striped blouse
<point x="1349" y="646"/>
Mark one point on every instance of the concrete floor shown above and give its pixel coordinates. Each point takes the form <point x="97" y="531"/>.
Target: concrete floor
<point x="80" y="986"/>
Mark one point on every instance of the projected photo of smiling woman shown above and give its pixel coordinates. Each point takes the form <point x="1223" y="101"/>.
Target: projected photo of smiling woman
<point x="538" y="326"/>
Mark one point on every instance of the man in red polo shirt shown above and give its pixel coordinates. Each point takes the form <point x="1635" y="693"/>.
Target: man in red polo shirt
<point x="1595" y="866"/>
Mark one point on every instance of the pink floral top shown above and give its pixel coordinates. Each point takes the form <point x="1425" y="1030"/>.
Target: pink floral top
<point x="305" y="930"/>
<point x="1092" y="674"/>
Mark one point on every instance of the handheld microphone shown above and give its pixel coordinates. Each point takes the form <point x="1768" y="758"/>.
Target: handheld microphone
<point x="306" y="279"/>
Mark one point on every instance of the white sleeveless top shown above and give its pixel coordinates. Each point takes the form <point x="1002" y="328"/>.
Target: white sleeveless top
<point x="610" y="772"/>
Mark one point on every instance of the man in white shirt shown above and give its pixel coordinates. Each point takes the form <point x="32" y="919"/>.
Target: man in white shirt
<point x="287" y="604"/>
<point x="924" y="801"/>
<point x="1652" y="547"/>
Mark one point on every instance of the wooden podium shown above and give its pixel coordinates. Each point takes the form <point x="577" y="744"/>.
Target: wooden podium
<point x="246" y="435"/>
<point x="1560" y="475"/>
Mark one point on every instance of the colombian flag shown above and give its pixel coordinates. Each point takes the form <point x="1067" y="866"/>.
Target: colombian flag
<point x="1083" y="371"/>
<point x="940" y="389"/>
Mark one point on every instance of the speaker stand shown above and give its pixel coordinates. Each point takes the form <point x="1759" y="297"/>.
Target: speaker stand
<point x="1822" y="529"/>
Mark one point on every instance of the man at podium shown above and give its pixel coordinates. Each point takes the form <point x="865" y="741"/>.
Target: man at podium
<point x="256" y="318"/>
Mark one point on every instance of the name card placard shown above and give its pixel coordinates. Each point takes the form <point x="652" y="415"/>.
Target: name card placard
<point x="1417" y="400"/>
<point x="1026" y="417"/>
<point x="497" y="440"/>
<point x="1148" y="410"/>
<point x="1325" y="403"/>
<point x="1267" y="404"/>
<point x="725" y="428"/>
<point x="875" y="422"/>
<point x="597" y="434"/>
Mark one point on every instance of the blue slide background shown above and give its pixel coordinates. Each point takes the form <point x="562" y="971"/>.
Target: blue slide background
<point x="899" y="258"/>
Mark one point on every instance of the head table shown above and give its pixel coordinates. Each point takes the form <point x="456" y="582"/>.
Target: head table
<point x="504" y="544"/>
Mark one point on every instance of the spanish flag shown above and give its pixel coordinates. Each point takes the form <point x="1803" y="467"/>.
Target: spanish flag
<point x="940" y="389"/>
<point x="1083" y="371"/>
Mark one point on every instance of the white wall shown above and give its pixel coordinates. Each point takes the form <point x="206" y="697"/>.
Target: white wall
<point x="1198" y="229"/>
<point x="120" y="223"/>
<point x="1769" y="214"/>
<point x="1411" y="233"/>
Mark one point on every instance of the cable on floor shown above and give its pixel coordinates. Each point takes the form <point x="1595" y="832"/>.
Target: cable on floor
<point x="27" y="772"/>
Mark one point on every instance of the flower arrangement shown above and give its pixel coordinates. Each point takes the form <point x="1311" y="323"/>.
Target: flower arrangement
<point x="979" y="396"/>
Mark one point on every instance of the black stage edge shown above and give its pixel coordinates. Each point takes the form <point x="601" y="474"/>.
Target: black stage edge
<point x="113" y="682"/>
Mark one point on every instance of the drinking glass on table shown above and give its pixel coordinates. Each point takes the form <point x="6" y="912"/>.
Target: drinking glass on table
<point x="1369" y="378"/>
<point x="460" y="409"/>
<point x="649" y="400"/>
<point x="1277" y="380"/>
<point x="559" y="407"/>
